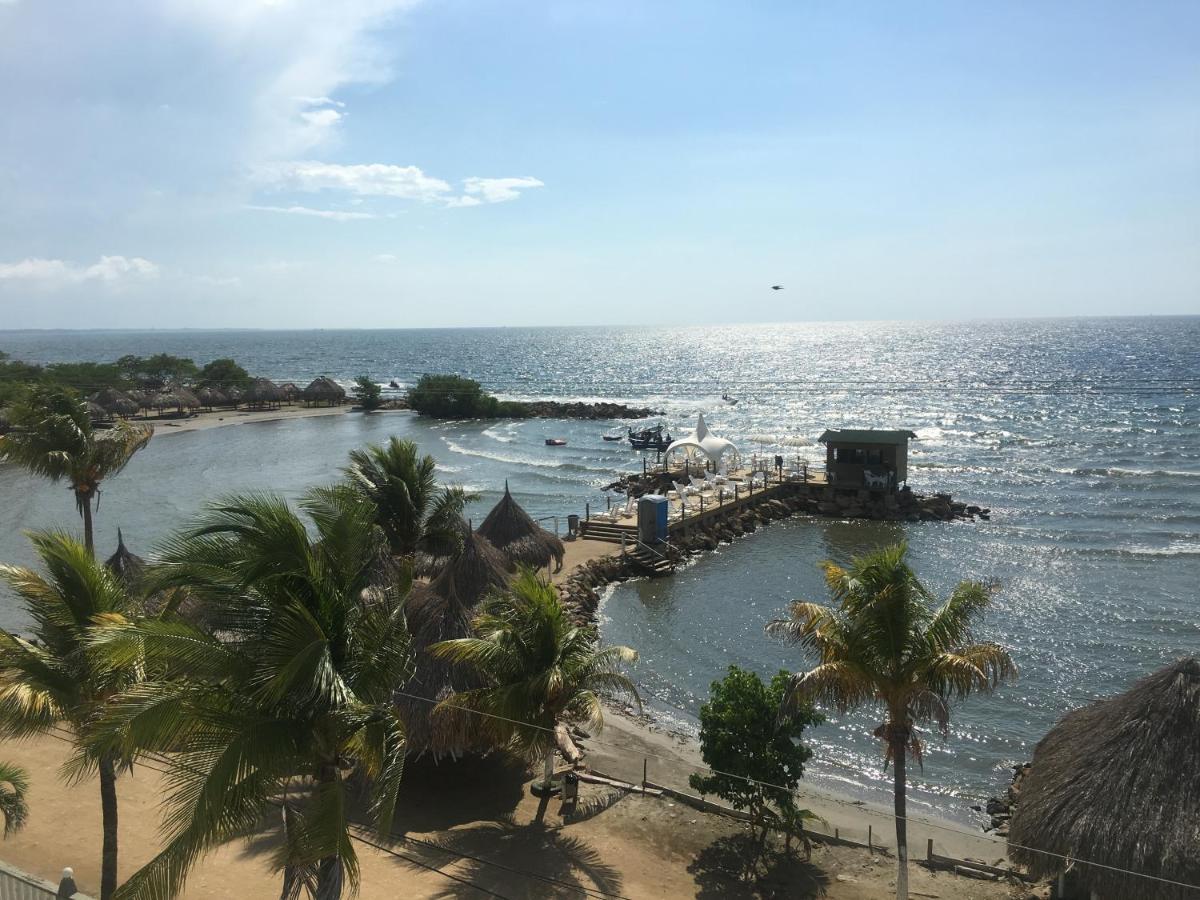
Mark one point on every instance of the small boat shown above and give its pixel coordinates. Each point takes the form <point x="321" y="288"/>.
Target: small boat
<point x="656" y="438"/>
<point x="556" y="442"/>
<point x="732" y="401"/>
<point x="395" y="385"/>
<point x="614" y="437"/>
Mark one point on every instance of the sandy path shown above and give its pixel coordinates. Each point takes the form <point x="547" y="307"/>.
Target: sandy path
<point x="473" y="821"/>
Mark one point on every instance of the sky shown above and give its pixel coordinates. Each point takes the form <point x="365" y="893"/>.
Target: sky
<point x="394" y="163"/>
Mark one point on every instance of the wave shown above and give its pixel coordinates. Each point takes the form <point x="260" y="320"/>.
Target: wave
<point x="495" y="435"/>
<point x="513" y="460"/>
<point x="1117" y="472"/>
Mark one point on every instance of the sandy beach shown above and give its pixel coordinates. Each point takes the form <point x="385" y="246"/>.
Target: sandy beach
<point x="220" y="418"/>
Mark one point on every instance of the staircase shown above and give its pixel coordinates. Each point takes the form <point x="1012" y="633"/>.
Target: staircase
<point x="595" y="530"/>
<point x="650" y="563"/>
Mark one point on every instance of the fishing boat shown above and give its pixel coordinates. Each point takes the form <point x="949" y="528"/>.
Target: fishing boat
<point x="656" y="438"/>
<point x="614" y="437"/>
<point x="556" y="442"/>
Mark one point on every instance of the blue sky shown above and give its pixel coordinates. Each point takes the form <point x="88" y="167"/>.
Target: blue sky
<point x="183" y="163"/>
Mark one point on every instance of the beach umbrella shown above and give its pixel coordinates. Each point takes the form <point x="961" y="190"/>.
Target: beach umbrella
<point x="210" y="397"/>
<point x="96" y="412"/>
<point x="110" y="399"/>
<point x="513" y="532"/>
<point x="125" y="565"/>
<point x="263" y="392"/>
<point x="124" y="407"/>
<point x="291" y="391"/>
<point x="1117" y="782"/>
<point x="324" y="390"/>
<point x="442" y="610"/>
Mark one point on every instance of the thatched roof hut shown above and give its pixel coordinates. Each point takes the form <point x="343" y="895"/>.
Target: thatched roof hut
<point x="439" y="611"/>
<point x="210" y="397"/>
<point x="324" y="390"/>
<point x="1118" y="783"/>
<point x="518" y="537"/>
<point x="97" y="413"/>
<point x="115" y="402"/>
<point x="125" y="565"/>
<point x="291" y="391"/>
<point x="263" y="393"/>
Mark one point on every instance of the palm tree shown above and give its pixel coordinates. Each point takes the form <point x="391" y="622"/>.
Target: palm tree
<point x="887" y="642"/>
<point x="414" y="513"/>
<point x="54" y="681"/>
<point x="52" y="436"/>
<point x="14" y="803"/>
<point x="541" y="671"/>
<point x="277" y="695"/>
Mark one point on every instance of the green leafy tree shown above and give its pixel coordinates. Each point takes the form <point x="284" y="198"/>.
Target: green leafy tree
<point x="541" y="671"/>
<point x="278" y="691"/>
<point x="416" y="514"/>
<point x="14" y="797"/>
<point x="754" y="754"/>
<point x="86" y="377"/>
<point x="886" y="642"/>
<point x="156" y="372"/>
<point x="223" y="374"/>
<point x="52" y="436"/>
<point x="455" y="397"/>
<point x="54" y="681"/>
<point x="367" y="393"/>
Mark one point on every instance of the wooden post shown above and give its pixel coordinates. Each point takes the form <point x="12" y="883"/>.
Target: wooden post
<point x="870" y="841"/>
<point x="929" y="851"/>
<point x="587" y="512"/>
<point x="643" y="773"/>
<point x="643" y="467"/>
<point x="608" y="502"/>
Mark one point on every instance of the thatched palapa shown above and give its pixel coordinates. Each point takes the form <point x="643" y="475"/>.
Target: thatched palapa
<point x="210" y="397"/>
<point x="115" y="402"/>
<point x="440" y="611"/>
<point x="324" y="390"/>
<point x="291" y="391"/>
<point x="125" y="565"/>
<point x="97" y="413"/>
<point x="263" y="393"/>
<point x="522" y="541"/>
<point x="1118" y="783"/>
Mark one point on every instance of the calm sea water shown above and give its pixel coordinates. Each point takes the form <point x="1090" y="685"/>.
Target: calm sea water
<point x="1083" y="436"/>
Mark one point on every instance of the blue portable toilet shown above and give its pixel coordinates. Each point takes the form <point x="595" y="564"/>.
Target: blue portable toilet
<point x="652" y="518"/>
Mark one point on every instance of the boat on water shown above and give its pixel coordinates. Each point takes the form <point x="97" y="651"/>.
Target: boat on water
<point x="656" y="438"/>
<point x="732" y="401"/>
<point x="614" y="437"/>
<point x="556" y="442"/>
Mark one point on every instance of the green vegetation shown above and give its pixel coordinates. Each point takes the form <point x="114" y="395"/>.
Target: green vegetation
<point x="541" y="671"/>
<point x="153" y="373"/>
<point x="56" y="681"/>
<point x="367" y="393"/>
<point x="455" y="397"/>
<point x="14" y="797"/>
<point x="886" y="641"/>
<point x="754" y="753"/>
<point x="223" y="374"/>
<point x="415" y="513"/>
<point x="52" y="436"/>
<point x="280" y="697"/>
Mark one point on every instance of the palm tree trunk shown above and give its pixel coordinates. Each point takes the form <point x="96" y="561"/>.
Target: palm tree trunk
<point x="108" y="809"/>
<point x="329" y="879"/>
<point x="86" y="510"/>
<point x="899" y="746"/>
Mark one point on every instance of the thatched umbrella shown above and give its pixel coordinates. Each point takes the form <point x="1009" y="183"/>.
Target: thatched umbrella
<point x="291" y="391"/>
<point x="234" y="396"/>
<point x="210" y="397"/>
<point x="125" y="407"/>
<point x="440" y="611"/>
<point x="263" y="393"/>
<point x="324" y="390"/>
<point x="97" y="413"/>
<point x="518" y="537"/>
<point x="125" y="565"/>
<point x="1118" y="783"/>
<point x="113" y="401"/>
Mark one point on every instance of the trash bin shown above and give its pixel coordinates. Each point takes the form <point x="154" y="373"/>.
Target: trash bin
<point x="570" y="788"/>
<point x="572" y="525"/>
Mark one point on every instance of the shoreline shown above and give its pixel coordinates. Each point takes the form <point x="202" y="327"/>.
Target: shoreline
<point x="670" y="755"/>
<point x="219" y="418"/>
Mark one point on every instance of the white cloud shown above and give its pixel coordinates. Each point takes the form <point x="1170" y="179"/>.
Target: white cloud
<point x="333" y="214"/>
<point x="385" y="257"/>
<point x="367" y="180"/>
<point x="496" y="190"/>
<point x="108" y="269"/>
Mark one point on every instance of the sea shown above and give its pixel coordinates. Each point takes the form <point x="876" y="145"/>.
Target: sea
<point x="1081" y="435"/>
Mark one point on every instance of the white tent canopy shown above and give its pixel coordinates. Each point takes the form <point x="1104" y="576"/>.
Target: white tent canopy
<point x="700" y="442"/>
